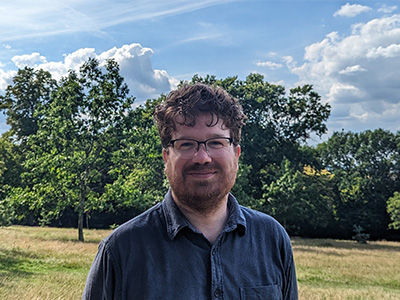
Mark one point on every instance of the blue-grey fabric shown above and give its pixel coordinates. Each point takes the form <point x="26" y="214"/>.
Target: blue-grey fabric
<point x="159" y="255"/>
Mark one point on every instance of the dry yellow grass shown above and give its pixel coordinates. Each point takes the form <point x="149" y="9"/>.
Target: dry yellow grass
<point x="41" y="263"/>
<point x="330" y="269"/>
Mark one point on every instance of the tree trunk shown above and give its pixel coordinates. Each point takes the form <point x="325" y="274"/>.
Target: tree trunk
<point x="80" y="226"/>
<point x="81" y="209"/>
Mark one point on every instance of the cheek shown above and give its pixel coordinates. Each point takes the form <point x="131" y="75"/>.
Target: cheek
<point x="171" y="167"/>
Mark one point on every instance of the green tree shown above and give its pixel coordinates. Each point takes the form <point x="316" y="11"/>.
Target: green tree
<point x="84" y="124"/>
<point x="303" y="201"/>
<point x="366" y="166"/>
<point x="138" y="169"/>
<point x="22" y="102"/>
<point x="10" y="164"/>
<point x="393" y="208"/>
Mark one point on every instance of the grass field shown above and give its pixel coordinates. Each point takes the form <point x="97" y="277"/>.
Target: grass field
<point x="48" y="263"/>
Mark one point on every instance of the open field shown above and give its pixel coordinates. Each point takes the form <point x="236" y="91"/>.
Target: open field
<point x="48" y="263"/>
<point x="331" y="269"/>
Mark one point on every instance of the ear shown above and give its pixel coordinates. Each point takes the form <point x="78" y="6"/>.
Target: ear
<point x="238" y="151"/>
<point x="165" y="155"/>
<point x="237" y="155"/>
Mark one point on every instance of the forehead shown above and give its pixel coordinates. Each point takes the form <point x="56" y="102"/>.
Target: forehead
<point x="205" y="127"/>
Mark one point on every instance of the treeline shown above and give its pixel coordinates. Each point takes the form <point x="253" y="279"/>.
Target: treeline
<point x="79" y="152"/>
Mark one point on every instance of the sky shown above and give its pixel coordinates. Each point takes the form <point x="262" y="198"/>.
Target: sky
<point x="348" y="51"/>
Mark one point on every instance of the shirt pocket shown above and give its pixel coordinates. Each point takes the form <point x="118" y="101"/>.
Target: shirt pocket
<point x="267" y="292"/>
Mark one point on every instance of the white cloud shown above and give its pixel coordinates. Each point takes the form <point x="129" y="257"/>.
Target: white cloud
<point x="385" y="52"/>
<point x="290" y="62"/>
<point x="30" y="60"/>
<point x="387" y="9"/>
<point x="356" y="72"/>
<point x="134" y="61"/>
<point x="136" y="67"/>
<point x="6" y="79"/>
<point x="352" y="70"/>
<point x="269" y="64"/>
<point x="351" y="10"/>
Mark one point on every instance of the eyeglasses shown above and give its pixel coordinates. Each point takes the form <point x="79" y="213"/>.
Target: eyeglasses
<point x="187" y="148"/>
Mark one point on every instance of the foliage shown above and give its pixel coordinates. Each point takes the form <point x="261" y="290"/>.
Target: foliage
<point x="302" y="201"/>
<point x="366" y="166"/>
<point x="137" y="175"/>
<point x="360" y="236"/>
<point x="10" y="164"/>
<point x="6" y="213"/>
<point x="393" y="208"/>
<point x="78" y="148"/>
<point x="24" y="99"/>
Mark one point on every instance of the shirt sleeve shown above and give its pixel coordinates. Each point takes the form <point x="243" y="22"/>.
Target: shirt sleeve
<point x="102" y="277"/>
<point x="291" y="291"/>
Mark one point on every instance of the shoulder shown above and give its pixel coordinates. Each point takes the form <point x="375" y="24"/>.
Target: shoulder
<point x="263" y="224"/>
<point x="255" y="216"/>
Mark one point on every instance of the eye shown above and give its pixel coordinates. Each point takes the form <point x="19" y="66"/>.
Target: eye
<point x="185" y="145"/>
<point x="216" y="143"/>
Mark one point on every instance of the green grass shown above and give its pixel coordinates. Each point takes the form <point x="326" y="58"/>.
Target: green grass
<point x="49" y="263"/>
<point x="45" y="263"/>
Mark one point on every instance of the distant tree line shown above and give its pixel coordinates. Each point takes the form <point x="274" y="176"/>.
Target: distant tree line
<point x="80" y="153"/>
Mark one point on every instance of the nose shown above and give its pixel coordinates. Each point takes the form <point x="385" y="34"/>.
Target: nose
<point x="202" y="156"/>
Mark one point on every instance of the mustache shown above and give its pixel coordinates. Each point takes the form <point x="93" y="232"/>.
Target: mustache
<point x="205" y="167"/>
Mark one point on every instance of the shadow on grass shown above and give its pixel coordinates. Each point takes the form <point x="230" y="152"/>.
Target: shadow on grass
<point x="14" y="264"/>
<point x="351" y="245"/>
<point x="65" y="239"/>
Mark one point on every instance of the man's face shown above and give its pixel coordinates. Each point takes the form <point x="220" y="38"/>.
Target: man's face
<point x="202" y="182"/>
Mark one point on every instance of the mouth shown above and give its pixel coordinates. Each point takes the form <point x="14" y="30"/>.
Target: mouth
<point x="202" y="174"/>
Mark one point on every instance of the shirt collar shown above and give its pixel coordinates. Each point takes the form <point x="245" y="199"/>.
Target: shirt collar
<point x="176" y="221"/>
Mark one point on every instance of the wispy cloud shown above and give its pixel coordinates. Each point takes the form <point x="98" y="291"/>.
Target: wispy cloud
<point x="20" y="19"/>
<point x="387" y="9"/>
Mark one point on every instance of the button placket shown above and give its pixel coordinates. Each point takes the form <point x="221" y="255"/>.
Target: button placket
<point x="216" y="273"/>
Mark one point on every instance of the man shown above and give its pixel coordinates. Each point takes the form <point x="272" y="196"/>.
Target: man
<point x="199" y="243"/>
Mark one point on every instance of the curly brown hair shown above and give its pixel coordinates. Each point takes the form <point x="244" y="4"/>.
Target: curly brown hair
<point x="183" y="105"/>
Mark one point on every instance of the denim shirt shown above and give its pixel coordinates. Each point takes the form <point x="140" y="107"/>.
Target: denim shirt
<point x="160" y="255"/>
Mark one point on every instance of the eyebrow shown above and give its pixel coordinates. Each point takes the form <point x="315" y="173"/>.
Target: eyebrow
<point x="184" y="137"/>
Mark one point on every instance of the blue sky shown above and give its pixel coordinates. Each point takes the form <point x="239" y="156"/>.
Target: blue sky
<point x="349" y="51"/>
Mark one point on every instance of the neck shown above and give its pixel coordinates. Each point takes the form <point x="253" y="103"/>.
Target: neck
<point x="209" y="224"/>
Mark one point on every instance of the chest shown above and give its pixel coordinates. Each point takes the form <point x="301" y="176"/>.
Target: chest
<point x="189" y="265"/>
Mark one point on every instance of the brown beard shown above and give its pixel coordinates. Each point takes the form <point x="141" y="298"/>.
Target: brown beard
<point x="202" y="196"/>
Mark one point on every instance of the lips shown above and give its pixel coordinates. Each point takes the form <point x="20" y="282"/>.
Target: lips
<point x="201" y="171"/>
<point x="203" y="175"/>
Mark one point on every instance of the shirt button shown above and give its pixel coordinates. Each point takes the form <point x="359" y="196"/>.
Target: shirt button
<point x="217" y="293"/>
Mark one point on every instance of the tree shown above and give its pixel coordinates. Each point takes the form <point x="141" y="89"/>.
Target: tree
<point x="303" y="201"/>
<point x="22" y="103"/>
<point x="82" y="127"/>
<point x="137" y="174"/>
<point x="366" y="166"/>
<point x="10" y="164"/>
<point x="23" y="100"/>
<point x="393" y="209"/>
